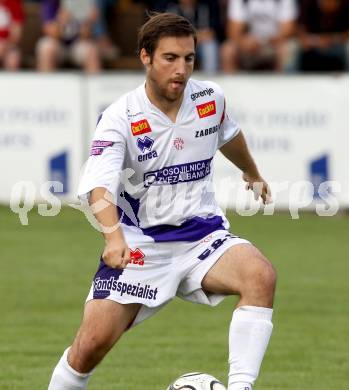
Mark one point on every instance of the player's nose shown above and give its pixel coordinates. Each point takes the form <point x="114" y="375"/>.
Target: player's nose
<point x="181" y="68"/>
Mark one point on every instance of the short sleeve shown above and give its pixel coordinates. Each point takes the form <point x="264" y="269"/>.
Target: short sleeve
<point x="237" y="11"/>
<point x="105" y="163"/>
<point x="229" y="128"/>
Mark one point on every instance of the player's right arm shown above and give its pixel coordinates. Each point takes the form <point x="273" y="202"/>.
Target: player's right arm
<point x="100" y="182"/>
<point x="116" y="253"/>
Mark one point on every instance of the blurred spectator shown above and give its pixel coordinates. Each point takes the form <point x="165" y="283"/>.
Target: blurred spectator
<point x="324" y="35"/>
<point x="11" y="20"/>
<point x="107" y="49"/>
<point x="258" y="33"/>
<point x="204" y="15"/>
<point x="68" y="28"/>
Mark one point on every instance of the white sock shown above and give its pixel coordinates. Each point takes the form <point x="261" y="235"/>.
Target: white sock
<point x="64" y="377"/>
<point x="249" y="334"/>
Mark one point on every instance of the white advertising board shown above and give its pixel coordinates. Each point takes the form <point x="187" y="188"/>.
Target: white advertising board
<point x="295" y="128"/>
<point x="40" y="132"/>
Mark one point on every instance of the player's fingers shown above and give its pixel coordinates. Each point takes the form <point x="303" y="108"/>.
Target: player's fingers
<point x="126" y="258"/>
<point x="268" y="199"/>
<point x="124" y="263"/>
<point x="266" y="196"/>
<point x="127" y="254"/>
<point x="249" y="186"/>
<point x="112" y="260"/>
<point x="256" y="193"/>
<point x="257" y="190"/>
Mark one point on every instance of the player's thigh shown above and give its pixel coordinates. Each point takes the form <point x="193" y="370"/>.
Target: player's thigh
<point x="239" y="268"/>
<point x="103" y="323"/>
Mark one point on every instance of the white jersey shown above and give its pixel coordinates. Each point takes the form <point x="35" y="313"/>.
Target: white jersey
<point x="262" y="17"/>
<point x="160" y="171"/>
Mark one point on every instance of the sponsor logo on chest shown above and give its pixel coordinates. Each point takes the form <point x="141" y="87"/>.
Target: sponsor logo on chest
<point x="133" y="115"/>
<point x="181" y="173"/>
<point x="205" y="132"/>
<point x="204" y="92"/>
<point x="146" y="147"/>
<point x="206" y="109"/>
<point x="140" y="127"/>
<point x="178" y="143"/>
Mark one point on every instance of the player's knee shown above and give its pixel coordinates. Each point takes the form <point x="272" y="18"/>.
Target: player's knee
<point x="95" y="345"/>
<point x="264" y="277"/>
<point x="87" y="351"/>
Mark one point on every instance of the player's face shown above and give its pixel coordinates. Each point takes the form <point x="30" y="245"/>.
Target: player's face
<point x="171" y="66"/>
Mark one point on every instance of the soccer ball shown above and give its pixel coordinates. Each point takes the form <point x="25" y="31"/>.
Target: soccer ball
<point x="196" y="381"/>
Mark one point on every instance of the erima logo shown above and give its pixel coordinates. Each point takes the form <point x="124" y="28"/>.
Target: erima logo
<point x="206" y="109"/>
<point x="140" y="127"/>
<point x="203" y="133"/>
<point x="205" y="92"/>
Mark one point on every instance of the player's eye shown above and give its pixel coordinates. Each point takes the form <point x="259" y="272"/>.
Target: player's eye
<point x="190" y="59"/>
<point x="170" y="58"/>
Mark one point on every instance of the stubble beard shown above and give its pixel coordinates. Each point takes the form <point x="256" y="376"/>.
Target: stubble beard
<point x="163" y="93"/>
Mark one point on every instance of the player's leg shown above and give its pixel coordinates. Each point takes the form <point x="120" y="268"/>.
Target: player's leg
<point x="103" y="324"/>
<point x="243" y="270"/>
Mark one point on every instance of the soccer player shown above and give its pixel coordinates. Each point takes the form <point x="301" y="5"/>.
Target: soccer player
<point x="152" y="153"/>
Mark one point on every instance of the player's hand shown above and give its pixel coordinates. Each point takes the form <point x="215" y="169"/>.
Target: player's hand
<point x="259" y="187"/>
<point x="116" y="253"/>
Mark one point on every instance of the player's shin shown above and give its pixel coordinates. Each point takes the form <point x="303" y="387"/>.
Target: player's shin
<point x="249" y="335"/>
<point x="64" y="377"/>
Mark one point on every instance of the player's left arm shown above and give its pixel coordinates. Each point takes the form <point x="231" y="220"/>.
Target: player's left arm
<point x="237" y="152"/>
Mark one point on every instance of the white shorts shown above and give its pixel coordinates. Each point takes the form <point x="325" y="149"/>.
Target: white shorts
<point x="159" y="271"/>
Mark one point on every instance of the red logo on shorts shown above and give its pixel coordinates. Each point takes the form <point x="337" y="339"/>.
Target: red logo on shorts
<point x="206" y="239"/>
<point x="206" y="109"/>
<point x="137" y="257"/>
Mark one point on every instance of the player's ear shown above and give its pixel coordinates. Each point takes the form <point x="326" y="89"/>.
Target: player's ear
<point x="145" y="57"/>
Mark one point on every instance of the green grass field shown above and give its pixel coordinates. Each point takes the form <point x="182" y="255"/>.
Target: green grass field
<point x="45" y="273"/>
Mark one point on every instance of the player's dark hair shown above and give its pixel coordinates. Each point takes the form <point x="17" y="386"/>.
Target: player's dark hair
<point x="162" y="25"/>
